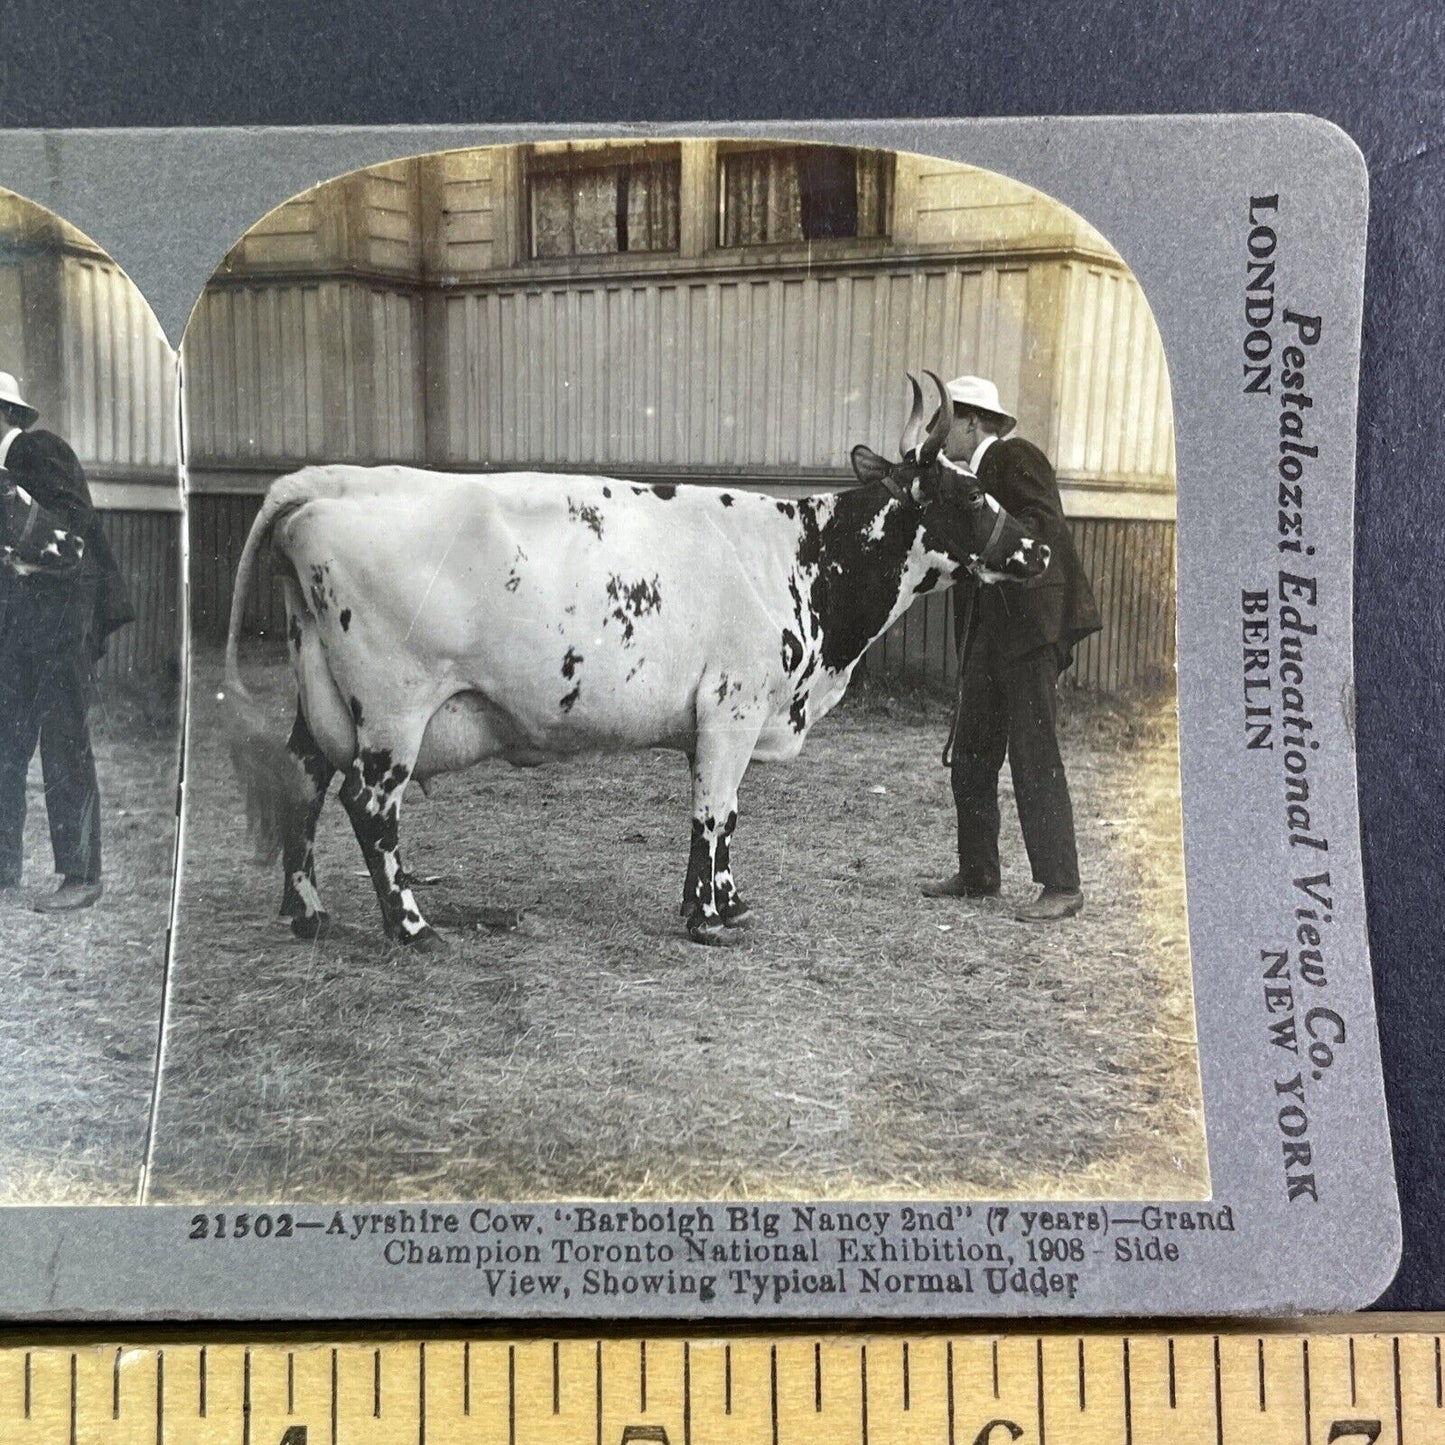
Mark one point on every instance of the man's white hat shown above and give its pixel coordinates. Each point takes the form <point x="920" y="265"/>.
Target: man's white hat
<point x="982" y="395"/>
<point x="10" y="392"/>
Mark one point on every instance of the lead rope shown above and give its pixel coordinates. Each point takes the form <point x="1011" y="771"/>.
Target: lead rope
<point x="963" y="627"/>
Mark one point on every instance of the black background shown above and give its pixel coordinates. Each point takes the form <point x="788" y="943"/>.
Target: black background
<point x="1378" y="71"/>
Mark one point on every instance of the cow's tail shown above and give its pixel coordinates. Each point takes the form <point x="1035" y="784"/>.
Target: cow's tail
<point x="272" y="779"/>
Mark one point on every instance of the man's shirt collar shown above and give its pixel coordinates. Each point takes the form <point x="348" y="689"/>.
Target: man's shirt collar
<point x="978" y="452"/>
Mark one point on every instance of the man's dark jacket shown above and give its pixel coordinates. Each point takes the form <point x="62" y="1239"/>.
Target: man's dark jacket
<point x="75" y="607"/>
<point x="1056" y="608"/>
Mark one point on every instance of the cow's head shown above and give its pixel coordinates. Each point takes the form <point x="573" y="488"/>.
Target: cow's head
<point x="27" y="547"/>
<point x="958" y="517"/>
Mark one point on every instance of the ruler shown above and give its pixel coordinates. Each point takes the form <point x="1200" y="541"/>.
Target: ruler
<point x="1341" y="1383"/>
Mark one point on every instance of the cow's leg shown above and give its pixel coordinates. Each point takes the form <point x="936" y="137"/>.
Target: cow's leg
<point x="300" y="900"/>
<point x="722" y="757"/>
<point x="371" y="794"/>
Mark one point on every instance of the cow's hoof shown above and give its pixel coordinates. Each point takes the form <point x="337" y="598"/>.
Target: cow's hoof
<point x="311" y="926"/>
<point x="740" y="915"/>
<point x="427" y="941"/>
<point x="709" y="931"/>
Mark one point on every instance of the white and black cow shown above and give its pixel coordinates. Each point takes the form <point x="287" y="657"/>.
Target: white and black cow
<point x="436" y="620"/>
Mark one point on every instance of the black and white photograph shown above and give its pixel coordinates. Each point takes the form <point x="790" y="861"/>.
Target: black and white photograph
<point x="90" y="666"/>
<point x="682" y="692"/>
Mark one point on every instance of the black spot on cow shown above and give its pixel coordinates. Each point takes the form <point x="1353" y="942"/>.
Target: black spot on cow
<point x="513" y="582"/>
<point x="857" y="576"/>
<point x="664" y="491"/>
<point x="726" y="498"/>
<point x="356" y="711"/>
<point x="930" y="581"/>
<point x="375" y="763"/>
<point x="798" y="713"/>
<point x="722" y="688"/>
<point x="787" y="509"/>
<point x="567" y="703"/>
<point x="792" y="651"/>
<point x="632" y="600"/>
<point x="607" y="491"/>
<point x="293" y="631"/>
<point x="345" y="619"/>
<point x="587" y="514"/>
<point x="638" y="491"/>
<point x="569" y="661"/>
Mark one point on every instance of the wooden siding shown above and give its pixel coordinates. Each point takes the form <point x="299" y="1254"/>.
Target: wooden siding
<point x="304" y="371"/>
<point x="147" y="550"/>
<point x="1115" y="415"/>
<point x="117" y="378"/>
<point x="713" y="372"/>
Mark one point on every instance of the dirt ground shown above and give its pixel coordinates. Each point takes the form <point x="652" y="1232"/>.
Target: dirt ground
<point x="859" y="1042"/>
<point x="80" y="994"/>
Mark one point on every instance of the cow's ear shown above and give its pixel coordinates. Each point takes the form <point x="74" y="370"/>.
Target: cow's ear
<point x="868" y="466"/>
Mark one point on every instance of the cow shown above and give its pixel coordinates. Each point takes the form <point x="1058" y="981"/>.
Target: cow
<point x="437" y="619"/>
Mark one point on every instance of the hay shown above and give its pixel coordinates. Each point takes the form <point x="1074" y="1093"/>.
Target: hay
<point x="859" y="1041"/>
<point x="80" y="994"/>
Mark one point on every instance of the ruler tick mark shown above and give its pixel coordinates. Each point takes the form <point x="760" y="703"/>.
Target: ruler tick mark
<point x="1439" y="1395"/>
<point x="773" y="1390"/>
<point x="1259" y="1349"/>
<point x="1305" y="1363"/>
<point x="246" y="1398"/>
<point x="512" y="1398"/>
<point x="73" y="1424"/>
<point x="1352" y="1370"/>
<point x="556" y="1377"/>
<point x="27" y="1384"/>
<point x="598" y="1358"/>
<point x="290" y="1382"/>
<point x="202" y="1382"/>
<point x="817" y="1377"/>
<point x="642" y="1375"/>
<point x="1083" y="1394"/>
<point x="1218" y="1398"/>
<point x="1039" y="1371"/>
<point x="1128" y="1397"/>
<point x="467" y="1377"/>
<point x="376" y="1384"/>
<point x="907" y="1385"/>
<point x="686" y="1393"/>
<point x="333" y="1397"/>
<point x="1172" y="1401"/>
<point x="115" y="1387"/>
<point x="1399" y="1402"/>
<point x="727" y="1380"/>
<point x="421" y="1394"/>
<point x="948" y="1371"/>
<point x="995" y="1369"/>
<point x="160" y="1394"/>
<point x="863" y="1387"/>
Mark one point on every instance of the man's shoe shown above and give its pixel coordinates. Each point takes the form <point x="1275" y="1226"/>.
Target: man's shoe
<point x="955" y="887"/>
<point x="70" y="896"/>
<point x="1052" y="905"/>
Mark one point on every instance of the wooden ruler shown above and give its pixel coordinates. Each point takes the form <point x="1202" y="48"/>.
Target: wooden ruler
<point x="1356" y="1382"/>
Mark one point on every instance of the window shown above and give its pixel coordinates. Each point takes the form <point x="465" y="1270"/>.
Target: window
<point x="802" y="193"/>
<point x="591" y="201"/>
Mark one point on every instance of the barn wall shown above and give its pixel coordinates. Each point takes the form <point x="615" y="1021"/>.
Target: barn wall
<point x="147" y="548"/>
<point x="396" y="315"/>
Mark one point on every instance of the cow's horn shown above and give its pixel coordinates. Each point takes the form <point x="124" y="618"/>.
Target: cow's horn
<point x="913" y="427"/>
<point x="942" y="423"/>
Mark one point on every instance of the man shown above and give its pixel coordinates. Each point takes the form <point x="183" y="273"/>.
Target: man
<point x="53" y="625"/>
<point x="1019" y="638"/>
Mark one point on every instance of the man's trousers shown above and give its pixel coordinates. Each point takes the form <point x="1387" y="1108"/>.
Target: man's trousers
<point x="1009" y="707"/>
<point x="44" y="697"/>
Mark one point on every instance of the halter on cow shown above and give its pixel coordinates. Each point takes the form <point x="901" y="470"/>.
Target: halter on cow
<point x="435" y="620"/>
